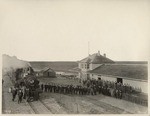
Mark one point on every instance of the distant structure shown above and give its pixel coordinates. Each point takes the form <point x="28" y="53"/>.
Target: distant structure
<point x="92" y="62"/>
<point x="97" y="66"/>
<point x="47" y="72"/>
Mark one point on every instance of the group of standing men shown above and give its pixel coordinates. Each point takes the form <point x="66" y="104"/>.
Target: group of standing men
<point x="90" y="87"/>
<point x="85" y="89"/>
<point x="21" y="92"/>
<point x="64" y="89"/>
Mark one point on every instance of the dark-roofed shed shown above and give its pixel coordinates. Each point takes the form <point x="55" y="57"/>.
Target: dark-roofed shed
<point x="48" y="72"/>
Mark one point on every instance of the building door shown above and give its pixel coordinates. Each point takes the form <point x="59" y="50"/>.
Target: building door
<point x="88" y="76"/>
<point x="119" y="80"/>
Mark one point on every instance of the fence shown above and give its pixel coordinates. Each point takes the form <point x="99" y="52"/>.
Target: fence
<point x="135" y="99"/>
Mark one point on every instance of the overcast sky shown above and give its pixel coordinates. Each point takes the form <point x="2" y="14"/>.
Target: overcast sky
<point x="59" y="30"/>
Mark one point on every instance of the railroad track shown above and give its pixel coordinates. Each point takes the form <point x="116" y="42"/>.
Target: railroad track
<point x="108" y="107"/>
<point x="46" y="106"/>
<point x="39" y="108"/>
<point x="53" y="106"/>
<point x="33" y="108"/>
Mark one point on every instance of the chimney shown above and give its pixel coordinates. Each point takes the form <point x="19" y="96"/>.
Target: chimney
<point x="105" y="55"/>
<point x="98" y="53"/>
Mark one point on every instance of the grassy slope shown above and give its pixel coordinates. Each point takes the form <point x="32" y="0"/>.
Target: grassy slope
<point x="57" y="66"/>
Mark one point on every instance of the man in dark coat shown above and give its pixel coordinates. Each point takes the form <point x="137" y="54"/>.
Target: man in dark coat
<point x="94" y="89"/>
<point x="42" y="86"/>
<point x="120" y="94"/>
<point x="36" y="95"/>
<point x="14" y="93"/>
<point x="50" y="88"/>
<point x="27" y="91"/>
<point x="55" y="88"/>
<point x="45" y="87"/>
<point x="20" y="95"/>
<point x="99" y="89"/>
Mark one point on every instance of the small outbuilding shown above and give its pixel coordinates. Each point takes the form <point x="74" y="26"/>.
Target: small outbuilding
<point x="47" y="72"/>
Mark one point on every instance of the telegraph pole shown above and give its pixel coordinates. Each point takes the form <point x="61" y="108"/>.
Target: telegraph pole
<point x="88" y="48"/>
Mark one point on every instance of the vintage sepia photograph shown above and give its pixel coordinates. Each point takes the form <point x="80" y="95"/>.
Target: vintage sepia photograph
<point x="74" y="56"/>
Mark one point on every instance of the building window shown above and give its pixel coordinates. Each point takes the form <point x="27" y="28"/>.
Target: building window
<point x="87" y="66"/>
<point x="82" y="65"/>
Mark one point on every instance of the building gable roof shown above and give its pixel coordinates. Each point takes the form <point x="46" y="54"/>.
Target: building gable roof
<point x="132" y="71"/>
<point x="96" y="59"/>
<point x="47" y="69"/>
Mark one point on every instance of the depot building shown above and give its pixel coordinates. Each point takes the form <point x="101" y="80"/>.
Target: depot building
<point x="97" y="66"/>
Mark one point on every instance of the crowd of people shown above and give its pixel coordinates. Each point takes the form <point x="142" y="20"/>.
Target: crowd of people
<point x="125" y="88"/>
<point x="87" y="87"/>
<point x="19" y="92"/>
<point x="23" y="92"/>
<point x="90" y="87"/>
